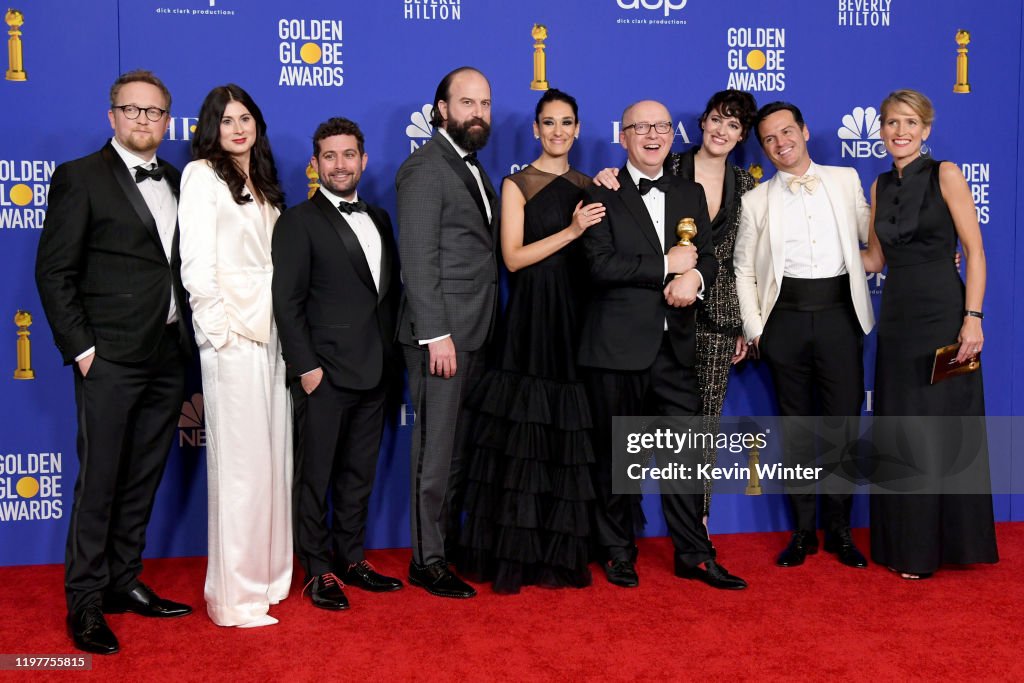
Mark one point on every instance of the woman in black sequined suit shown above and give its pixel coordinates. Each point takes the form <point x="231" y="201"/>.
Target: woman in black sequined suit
<point x="725" y="123"/>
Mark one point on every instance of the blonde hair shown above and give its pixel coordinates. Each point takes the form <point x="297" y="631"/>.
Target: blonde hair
<point x="917" y="101"/>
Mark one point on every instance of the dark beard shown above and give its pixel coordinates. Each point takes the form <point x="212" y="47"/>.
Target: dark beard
<point x="467" y="139"/>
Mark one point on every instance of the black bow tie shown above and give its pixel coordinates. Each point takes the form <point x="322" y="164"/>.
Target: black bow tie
<point x="141" y="173"/>
<point x="646" y="185"/>
<point x="471" y="159"/>
<point x="352" y="207"/>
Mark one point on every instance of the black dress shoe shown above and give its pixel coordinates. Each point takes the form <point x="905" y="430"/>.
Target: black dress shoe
<point x="841" y="543"/>
<point x="711" y="573"/>
<point x="621" y="573"/>
<point x="326" y="592"/>
<point x="90" y="632"/>
<point x="437" y="579"/>
<point x="802" y="544"/>
<point x="363" y="575"/>
<point x="142" y="600"/>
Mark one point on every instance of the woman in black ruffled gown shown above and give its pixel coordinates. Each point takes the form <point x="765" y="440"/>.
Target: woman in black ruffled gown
<point x="529" y="493"/>
<point x="920" y="209"/>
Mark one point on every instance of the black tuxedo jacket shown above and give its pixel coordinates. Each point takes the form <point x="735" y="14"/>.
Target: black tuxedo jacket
<point x="626" y="316"/>
<point x="101" y="271"/>
<point x="328" y="312"/>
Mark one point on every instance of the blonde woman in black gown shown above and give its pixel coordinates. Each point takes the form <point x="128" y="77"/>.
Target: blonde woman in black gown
<point x="725" y="123"/>
<point x="529" y="494"/>
<point x="920" y="209"/>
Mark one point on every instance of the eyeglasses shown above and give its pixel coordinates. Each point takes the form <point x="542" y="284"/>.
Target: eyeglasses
<point x="131" y="112"/>
<point x="643" y="128"/>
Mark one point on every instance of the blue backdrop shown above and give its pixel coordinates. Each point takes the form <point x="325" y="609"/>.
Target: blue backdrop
<point x="378" y="63"/>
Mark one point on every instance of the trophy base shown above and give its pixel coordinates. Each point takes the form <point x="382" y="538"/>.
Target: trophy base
<point x="25" y="374"/>
<point x="965" y="88"/>
<point x="16" y="75"/>
<point x="539" y="85"/>
<point x="753" y="491"/>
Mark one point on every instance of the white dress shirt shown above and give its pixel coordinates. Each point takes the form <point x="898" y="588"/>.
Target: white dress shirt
<point x="812" y="245"/>
<point x="366" y="232"/>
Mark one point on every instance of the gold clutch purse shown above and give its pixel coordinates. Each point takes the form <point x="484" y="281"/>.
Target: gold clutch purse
<point x="946" y="366"/>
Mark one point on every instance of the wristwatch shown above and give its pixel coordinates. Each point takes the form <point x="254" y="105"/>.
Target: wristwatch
<point x="974" y="314"/>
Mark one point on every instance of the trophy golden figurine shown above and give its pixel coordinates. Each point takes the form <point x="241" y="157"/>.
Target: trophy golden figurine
<point x="314" y="180"/>
<point x="23" y="319"/>
<point x="962" y="39"/>
<point x="686" y="230"/>
<point x="540" y="79"/>
<point x="754" y="482"/>
<point x="15" y="59"/>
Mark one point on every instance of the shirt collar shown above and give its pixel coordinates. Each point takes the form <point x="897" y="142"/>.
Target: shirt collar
<point x="636" y="174"/>
<point x="335" y="199"/>
<point x="130" y="159"/>
<point x="461" y="152"/>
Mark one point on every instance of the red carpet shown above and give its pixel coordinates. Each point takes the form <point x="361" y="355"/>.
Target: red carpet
<point x="819" y="621"/>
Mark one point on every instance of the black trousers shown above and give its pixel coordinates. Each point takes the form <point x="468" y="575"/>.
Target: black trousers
<point x="127" y="414"/>
<point x="817" y="364"/>
<point x="667" y="388"/>
<point x="336" y="454"/>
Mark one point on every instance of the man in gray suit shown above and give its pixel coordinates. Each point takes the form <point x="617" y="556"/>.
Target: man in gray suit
<point x="447" y="219"/>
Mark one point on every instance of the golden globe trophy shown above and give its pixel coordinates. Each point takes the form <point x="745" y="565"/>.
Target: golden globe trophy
<point x="314" y="180"/>
<point x="962" y="39"/>
<point x="15" y="59"/>
<point x="540" y="78"/>
<point x="754" y="481"/>
<point x="23" y="319"/>
<point x="686" y="230"/>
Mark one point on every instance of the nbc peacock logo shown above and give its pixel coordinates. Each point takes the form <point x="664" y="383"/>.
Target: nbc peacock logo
<point x="191" y="427"/>
<point x="419" y="129"/>
<point x="860" y="134"/>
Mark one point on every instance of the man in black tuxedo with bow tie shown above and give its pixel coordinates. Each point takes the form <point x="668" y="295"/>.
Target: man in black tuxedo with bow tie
<point x="336" y="287"/>
<point x="108" y="277"/>
<point x="638" y="339"/>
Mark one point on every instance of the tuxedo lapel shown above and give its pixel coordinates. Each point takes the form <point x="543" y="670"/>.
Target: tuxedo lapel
<point x="347" y="237"/>
<point x="776" y="229"/>
<point x="131" y="192"/>
<point x="461" y="169"/>
<point x="386" y="263"/>
<point x="630" y="196"/>
<point x="674" y="210"/>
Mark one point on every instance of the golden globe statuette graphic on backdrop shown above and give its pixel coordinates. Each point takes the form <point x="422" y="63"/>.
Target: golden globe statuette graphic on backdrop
<point x="314" y="180"/>
<point x="23" y="319"/>
<point x="15" y="59"/>
<point x="962" y="39"/>
<point x="756" y="172"/>
<point x="540" y="66"/>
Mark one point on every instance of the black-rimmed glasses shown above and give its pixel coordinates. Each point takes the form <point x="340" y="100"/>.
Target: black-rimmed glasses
<point x="643" y="128"/>
<point x="131" y="112"/>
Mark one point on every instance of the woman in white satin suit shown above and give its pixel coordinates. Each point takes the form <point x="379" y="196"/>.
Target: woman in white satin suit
<point x="230" y="200"/>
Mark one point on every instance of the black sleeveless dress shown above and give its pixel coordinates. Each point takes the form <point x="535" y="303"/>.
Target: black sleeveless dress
<point x="529" y="492"/>
<point x="922" y="309"/>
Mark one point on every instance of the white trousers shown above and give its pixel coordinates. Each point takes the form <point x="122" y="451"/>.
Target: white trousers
<point x="249" y="472"/>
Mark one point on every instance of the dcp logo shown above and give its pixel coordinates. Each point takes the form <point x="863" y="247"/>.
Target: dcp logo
<point x="861" y="134"/>
<point x="667" y="5"/>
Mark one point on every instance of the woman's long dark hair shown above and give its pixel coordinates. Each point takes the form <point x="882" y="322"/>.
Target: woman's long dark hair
<point x="206" y="145"/>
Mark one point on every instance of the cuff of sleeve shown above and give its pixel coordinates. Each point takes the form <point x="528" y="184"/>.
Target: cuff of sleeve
<point x="700" y="291"/>
<point x="424" y="342"/>
<point x="85" y="354"/>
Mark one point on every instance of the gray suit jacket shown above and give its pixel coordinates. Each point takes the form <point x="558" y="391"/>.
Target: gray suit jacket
<point x="447" y="248"/>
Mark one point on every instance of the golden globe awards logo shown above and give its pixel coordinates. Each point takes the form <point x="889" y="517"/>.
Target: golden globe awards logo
<point x="24" y="188"/>
<point x="756" y="59"/>
<point x="978" y="178"/>
<point x="310" y="53"/>
<point x="870" y="13"/>
<point x="30" y="487"/>
<point x="433" y="10"/>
